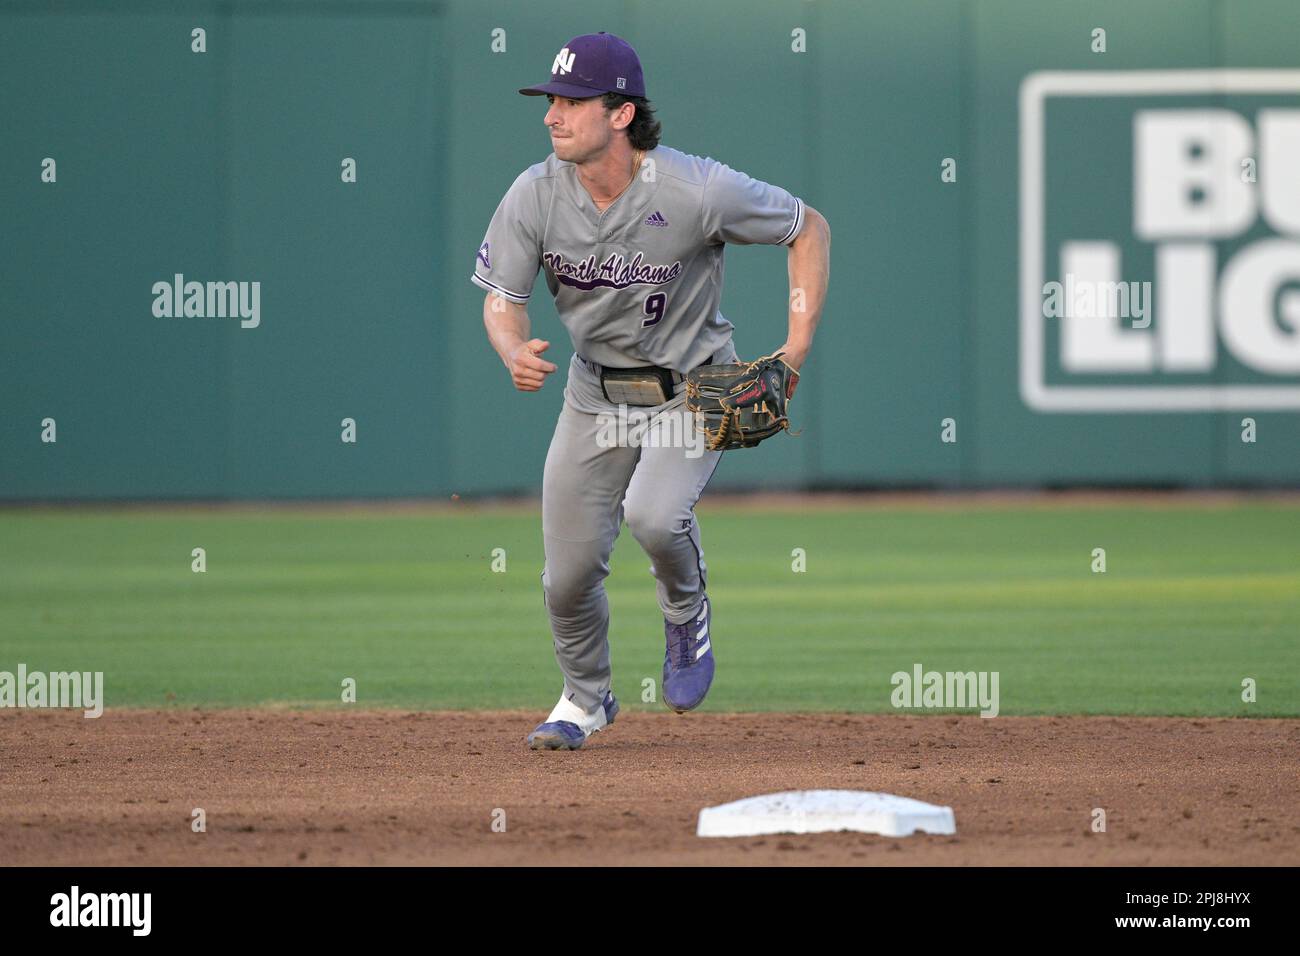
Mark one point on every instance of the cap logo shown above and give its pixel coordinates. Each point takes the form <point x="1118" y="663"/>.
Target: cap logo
<point x="622" y="82"/>
<point x="563" y="62"/>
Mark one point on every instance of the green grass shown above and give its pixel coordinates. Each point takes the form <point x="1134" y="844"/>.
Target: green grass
<point x="1194" y="599"/>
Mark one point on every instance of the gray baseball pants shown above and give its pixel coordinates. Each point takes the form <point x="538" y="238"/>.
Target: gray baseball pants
<point x="588" y="489"/>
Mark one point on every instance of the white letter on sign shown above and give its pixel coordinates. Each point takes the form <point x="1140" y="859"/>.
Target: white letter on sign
<point x="1279" y="153"/>
<point x="1092" y="340"/>
<point x="1251" y="283"/>
<point x="1187" y="174"/>
<point x="1185" y="271"/>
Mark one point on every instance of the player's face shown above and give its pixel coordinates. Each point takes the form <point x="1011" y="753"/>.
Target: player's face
<point x="580" y="129"/>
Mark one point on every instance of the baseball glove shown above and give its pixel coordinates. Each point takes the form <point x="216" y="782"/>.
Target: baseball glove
<point x="739" y="405"/>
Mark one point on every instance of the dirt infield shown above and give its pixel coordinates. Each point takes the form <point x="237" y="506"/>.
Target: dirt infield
<point x="392" y="787"/>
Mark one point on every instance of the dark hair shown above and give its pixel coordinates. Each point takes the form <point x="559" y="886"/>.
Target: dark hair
<point x="643" y="132"/>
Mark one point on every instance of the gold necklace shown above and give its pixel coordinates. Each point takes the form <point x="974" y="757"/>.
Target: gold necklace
<point x="636" y="165"/>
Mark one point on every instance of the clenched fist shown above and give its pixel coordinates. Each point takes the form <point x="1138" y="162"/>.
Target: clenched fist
<point x="528" y="370"/>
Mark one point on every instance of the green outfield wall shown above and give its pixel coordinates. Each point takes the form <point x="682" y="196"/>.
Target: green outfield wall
<point x="1169" y="158"/>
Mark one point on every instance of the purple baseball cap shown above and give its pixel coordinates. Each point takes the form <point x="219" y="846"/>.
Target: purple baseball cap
<point x="590" y="65"/>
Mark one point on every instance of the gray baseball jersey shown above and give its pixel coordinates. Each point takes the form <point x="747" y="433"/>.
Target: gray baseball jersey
<point x="641" y="282"/>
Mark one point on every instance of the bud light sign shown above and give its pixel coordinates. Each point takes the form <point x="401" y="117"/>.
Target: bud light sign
<point x="1160" y="241"/>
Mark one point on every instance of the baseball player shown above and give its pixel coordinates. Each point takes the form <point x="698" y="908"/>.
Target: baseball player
<point x="630" y="235"/>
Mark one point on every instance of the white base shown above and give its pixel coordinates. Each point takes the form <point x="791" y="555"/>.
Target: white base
<point x="822" y="811"/>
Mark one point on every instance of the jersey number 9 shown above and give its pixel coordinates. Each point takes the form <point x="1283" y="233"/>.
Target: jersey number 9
<point x="654" y="307"/>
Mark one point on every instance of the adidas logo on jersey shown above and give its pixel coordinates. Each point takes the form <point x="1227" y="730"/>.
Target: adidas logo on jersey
<point x="656" y="219"/>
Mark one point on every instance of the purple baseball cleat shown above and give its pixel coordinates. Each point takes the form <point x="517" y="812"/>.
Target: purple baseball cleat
<point x="569" y="726"/>
<point x="688" y="661"/>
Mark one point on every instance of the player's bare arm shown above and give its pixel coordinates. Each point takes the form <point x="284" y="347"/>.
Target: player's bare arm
<point x="507" y="328"/>
<point x="810" y="269"/>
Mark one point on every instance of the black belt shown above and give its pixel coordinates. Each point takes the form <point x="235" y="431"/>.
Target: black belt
<point x="677" y="377"/>
<point x="641" y="385"/>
